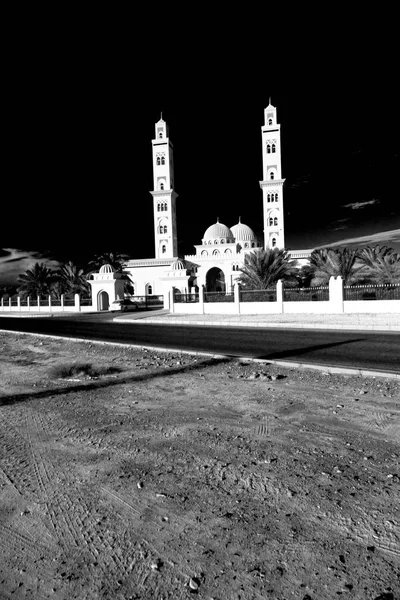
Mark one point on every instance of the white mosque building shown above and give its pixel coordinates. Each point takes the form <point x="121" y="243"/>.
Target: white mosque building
<point x="222" y="251"/>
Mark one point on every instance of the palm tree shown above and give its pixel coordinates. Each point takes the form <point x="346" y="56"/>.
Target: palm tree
<point x="381" y="264"/>
<point x="332" y="262"/>
<point x="263" y="268"/>
<point x="115" y="259"/>
<point x="37" y="281"/>
<point x="72" y="280"/>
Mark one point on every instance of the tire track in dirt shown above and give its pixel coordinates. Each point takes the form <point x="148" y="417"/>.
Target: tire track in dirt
<point x="28" y="556"/>
<point x="16" y="460"/>
<point x="71" y="515"/>
<point x="165" y="543"/>
<point x="384" y="421"/>
<point x="363" y="532"/>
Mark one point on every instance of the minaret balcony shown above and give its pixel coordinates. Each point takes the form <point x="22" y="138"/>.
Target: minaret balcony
<point x="271" y="182"/>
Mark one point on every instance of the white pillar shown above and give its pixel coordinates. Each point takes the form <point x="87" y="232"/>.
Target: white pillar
<point x="236" y="293"/>
<point x="19" y="303"/>
<point x="167" y="295"/>
<point x="279" y="295"/>
<point x="201" y="299"/>
<point x="172" y="299"/>
<point x="49" y="303"/>
<point x="77" y="302"/>
<point x="336" y="294"/>
<point x="62" y="301"/>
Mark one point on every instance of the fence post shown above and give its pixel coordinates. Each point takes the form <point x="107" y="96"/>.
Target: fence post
<point x="62" y="302"/>
<point x="172" y="302"/>
<point x="201" y="299"/>
<point x="49" y="303"/>
<point x="167" y="301"/>
<point x="279" y="295"/>
<point x="2" y="302"/>
<point x="236" y="293"/>
<point x="19" y="303"/>
<point x="28" y="303"/>
<point x="9" y="302"/>
<point x="38" y="303"/>
<point x="77" y="302"/>
<point x="336" y="294"/>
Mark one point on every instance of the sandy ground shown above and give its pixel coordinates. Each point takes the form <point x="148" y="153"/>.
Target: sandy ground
<point x="173" y="476"/>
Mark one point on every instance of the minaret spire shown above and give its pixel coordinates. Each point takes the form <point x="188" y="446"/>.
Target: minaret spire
<point x="164" y="196"/>
<point x="272" y="182"/>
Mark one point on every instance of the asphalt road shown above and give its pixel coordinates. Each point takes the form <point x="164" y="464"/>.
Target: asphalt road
<point x="361" y="350"/>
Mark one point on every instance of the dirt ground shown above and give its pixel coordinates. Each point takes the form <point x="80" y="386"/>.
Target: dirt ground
<point x="178" y="476"/>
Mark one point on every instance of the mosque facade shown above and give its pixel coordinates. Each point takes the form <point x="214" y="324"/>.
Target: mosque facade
<point x="217" y="260"/>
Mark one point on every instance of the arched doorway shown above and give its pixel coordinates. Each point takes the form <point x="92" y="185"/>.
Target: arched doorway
<point x="215" y="280"/>
<point x="103" y="302"/>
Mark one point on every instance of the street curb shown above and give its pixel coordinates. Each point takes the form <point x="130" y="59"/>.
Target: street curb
<point x="287" y="325"/>
<point x="247" y="359"/>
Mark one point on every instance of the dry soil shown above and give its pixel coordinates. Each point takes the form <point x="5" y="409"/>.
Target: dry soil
<point x="177" y="476"/>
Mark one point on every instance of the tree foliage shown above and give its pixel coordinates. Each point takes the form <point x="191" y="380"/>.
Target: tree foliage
<point x="334" y="262"/>
<point x="115" y="259"/>
<point x="37" y="281"/>
<point x="263" y="268"/>
<point x="380" y="264"/>
<point x="71" y="279"/>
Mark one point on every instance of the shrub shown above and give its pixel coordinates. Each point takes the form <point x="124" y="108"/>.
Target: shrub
<point x="81" y="369"/>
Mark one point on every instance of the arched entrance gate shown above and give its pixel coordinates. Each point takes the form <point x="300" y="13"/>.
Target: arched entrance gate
<point x="215" y="280"/>
<point x="103" y="302"/>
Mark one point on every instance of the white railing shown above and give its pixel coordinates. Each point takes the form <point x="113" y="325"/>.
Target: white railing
<point x="45" y="304"/>
<point x="334" y="298"/>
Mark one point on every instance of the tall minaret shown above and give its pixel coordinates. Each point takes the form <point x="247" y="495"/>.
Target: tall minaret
<point x="164" y="197"/>
<point x="272" y="184"/>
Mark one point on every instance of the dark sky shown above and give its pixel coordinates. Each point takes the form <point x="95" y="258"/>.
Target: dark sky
<point x="81" y="114"/>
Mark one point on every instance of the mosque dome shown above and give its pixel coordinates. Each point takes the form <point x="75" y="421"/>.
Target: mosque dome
<point x="218" y="232"/>
<point x="107" y="269"/>
<point x="178" y="265"/>
<point x="243" y="233"/>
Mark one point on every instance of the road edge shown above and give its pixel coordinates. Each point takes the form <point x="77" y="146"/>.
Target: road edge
<point x="287" y="364"/>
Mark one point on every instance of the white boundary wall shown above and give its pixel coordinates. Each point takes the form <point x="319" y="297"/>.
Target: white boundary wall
<point x="45" y="306"/>
<point x="335" y="304"/>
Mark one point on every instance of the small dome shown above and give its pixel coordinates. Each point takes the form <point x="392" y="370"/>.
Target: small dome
<point x="178" y="265"/>
<point x="243" y="233"/>
<point x="219" y="231"/>
<point x="107" y="269"/>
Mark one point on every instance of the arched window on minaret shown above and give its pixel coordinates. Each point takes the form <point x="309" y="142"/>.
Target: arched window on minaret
<point x="271" y="221"/>
<point x="160" y="135"/>
<point x="275" y="221"/>
<point x="269" y="121"/>
<point x="272" y="175"/>
<point x="162" y="185"/>
<point x="276" y="197"/>
<point x="165" y="206"/>
<point x="273" y="242"/>
<point x="163" y="160"/>
<point x="273" y="148"/>
<point x="269" y="198"/>
<point x="268" y="149"/>
<point x="163" y="248"/>
<point x="159" y="207"/>
<point x="165" y="229"/>
<point x="158" y="161"/>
